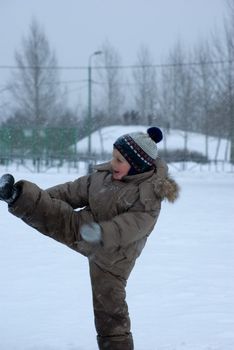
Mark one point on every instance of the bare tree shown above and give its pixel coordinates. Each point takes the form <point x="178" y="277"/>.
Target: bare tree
<point x="167" y="102"/>
<point x="110" y="78"/>
<point x="178" y="92"/>
<point x="230" y="56"/>
<point x="224" y="52"/>
<point x="205" y="93"/>
<point x="144" y="76"/>
<point x="35" y="85"/>
<point x="183" y="75"/>
<point x="4" y="104"/>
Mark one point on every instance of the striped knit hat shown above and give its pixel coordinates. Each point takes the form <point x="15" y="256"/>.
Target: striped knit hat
<point x="140" y="149"/>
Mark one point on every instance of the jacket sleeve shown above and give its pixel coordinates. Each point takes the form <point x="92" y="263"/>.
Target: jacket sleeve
<point x="74" y="193"/>
<point x="50" y="216"/>
<point x="128" y="227"/>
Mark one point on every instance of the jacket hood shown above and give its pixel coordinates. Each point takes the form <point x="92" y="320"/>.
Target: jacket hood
<point x="164" y="186"/>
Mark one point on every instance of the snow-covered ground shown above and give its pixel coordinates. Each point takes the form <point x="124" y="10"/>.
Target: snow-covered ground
<point x="180" y="294"/>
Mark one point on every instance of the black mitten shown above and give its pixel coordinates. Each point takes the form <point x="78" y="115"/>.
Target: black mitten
<point x="8" y="191"/>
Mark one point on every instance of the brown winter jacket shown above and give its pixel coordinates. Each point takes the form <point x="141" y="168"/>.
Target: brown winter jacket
<point x="126" y="210"/>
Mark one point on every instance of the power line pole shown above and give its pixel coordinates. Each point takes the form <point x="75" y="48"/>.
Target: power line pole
<point x="89" y="121"/>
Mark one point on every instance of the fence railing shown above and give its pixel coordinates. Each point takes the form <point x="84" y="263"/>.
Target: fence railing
<point x="40" y="149"/>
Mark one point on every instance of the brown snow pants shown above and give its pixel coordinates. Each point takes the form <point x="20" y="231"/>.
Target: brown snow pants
<point x="110" y="310"/>
<point x="51" y="217"/>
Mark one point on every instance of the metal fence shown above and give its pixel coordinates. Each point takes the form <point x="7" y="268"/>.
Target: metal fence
<point x="40" y="149"/>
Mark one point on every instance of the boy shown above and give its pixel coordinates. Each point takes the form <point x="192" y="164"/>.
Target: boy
<point x="118" y="205"/>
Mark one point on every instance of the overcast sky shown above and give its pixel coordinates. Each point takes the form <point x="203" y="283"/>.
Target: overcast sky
<point x="76" y="28"/>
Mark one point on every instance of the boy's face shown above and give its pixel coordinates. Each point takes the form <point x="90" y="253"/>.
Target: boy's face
<point x="120" y="166"/>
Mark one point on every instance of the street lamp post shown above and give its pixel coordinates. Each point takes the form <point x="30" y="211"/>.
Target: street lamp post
<point x="89" y="121"/>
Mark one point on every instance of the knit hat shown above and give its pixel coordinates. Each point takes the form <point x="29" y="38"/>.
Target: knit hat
<point x="140" y="149"/>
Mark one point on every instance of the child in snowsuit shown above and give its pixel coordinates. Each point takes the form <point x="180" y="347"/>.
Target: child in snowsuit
<point x="119" y="206"/>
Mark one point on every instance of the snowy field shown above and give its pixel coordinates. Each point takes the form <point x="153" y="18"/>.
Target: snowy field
<point x="103" y="139"/>
<point x="180" y="294"/>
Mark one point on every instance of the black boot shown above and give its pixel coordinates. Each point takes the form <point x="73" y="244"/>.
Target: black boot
<point x="8" y="191"/>
<point x="115" y="343"/>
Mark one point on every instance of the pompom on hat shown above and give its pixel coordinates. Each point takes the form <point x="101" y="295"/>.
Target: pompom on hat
<point x="140" y="149"/>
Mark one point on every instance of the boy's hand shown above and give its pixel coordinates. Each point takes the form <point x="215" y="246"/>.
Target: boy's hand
<point x="91" y="233"/>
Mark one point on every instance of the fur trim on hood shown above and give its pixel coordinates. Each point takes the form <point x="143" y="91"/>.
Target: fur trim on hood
<point x="168" y="189"/>
<point x="165" y="186"/>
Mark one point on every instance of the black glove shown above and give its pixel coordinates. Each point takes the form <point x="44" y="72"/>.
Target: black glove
<point x="8" y="191"/>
